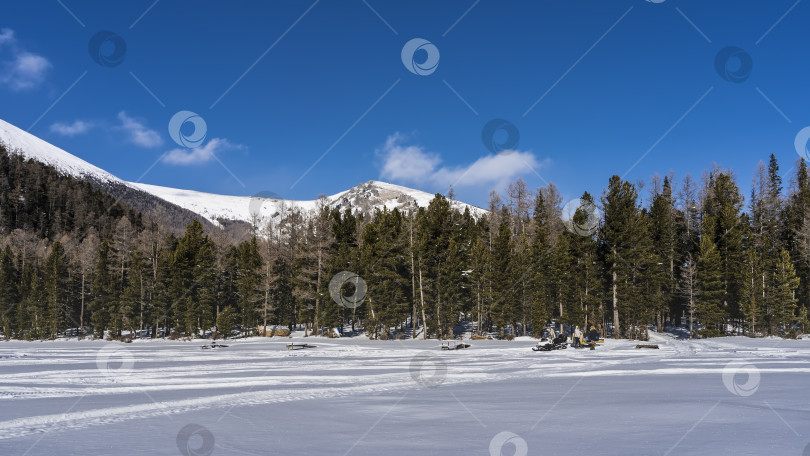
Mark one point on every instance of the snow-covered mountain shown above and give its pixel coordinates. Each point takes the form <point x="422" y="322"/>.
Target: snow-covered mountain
<point x="32" y="147"/>
<point x="363" y="198"/>
<point x="220" y="209"/>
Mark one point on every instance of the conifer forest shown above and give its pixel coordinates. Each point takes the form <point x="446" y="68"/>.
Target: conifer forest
<point x="690" y="252"/>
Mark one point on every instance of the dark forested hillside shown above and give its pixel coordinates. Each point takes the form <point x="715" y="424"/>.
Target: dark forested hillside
<point x="75" y="261"/>
<point x="38" y="200"/>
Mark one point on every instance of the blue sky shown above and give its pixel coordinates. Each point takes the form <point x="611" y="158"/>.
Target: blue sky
<point x="302" y="98"/>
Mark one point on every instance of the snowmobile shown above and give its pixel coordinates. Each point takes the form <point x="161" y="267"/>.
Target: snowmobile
<point x="588" y="340"/>
<point x="552" y="343"/>
<point x="454" y="346"/>
<point x="212" y="346"/>
<point x="588" y="344"/>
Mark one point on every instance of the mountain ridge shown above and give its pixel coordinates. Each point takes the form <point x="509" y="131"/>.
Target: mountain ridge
<point x="218" y="209"/>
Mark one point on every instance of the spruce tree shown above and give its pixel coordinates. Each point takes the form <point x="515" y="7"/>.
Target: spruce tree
<point x="622" y="239"/>
<point x="647" y="279"/>
<point x="768" y="232"/>
<point x="33" y="312"/>
<point x="9" y="293"/>
<point x="711" y="289"/>
<point x="345" y="255"/>
<point x="454" y="289"/>
<point x="386" y="271"/>
<point x="502" y="272"/>
<point x="86" y="260"/>
<point x="797" y="210"/>
<point x="664" y="230"/>
<point x="522" y="286"/>
<point x="186" y="274"/>
<point x="248" y="281"/>
<point x="132" y="298"/>
<point x="463" y="233"/>
<point x="585" y="274"/>
<point x="227" y="320"/>
<point x="561" y="287"/>
<point x="479" y="263"/>
<point x="205" y="277"/>
<point x="723" y="225"/>
<point x="323" y="240"/>
<point x="752" y="305"/>
<point x="305" y="276"/>
<point x="55" y="280"/>
<point x="540" y="260"/>
<point x="688" y="290"/>
<point x="102" y="291"/>
<point x="783" y="300"/>
<point x="434" y="232"/>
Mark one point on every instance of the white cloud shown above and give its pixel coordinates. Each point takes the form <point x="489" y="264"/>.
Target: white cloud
<point x="76" y="128"/>
<point x="19" y="69"/>
<point x="199" y="155"/>
<point x="412" y="164"/>
<point x="6" y="36"/>
<point x="139" y="133"/>
<point x="406" y="163"/>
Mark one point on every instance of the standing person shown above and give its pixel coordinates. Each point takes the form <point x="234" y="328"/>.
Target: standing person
<point x="592" y="337"/>
<point x="577" y="336"/>
<point x="562" y="338"/>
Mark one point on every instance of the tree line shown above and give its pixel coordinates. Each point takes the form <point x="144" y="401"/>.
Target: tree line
<point x="74" y="261"/>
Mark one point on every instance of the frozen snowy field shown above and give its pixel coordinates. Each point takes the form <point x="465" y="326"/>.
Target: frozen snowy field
<point x="351" y="396"/>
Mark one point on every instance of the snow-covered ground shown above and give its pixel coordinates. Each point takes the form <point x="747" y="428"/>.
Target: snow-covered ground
<point x="355" y="396"/>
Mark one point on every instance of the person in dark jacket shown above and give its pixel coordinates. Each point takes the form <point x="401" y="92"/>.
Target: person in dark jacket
<point x="593" y="335"/>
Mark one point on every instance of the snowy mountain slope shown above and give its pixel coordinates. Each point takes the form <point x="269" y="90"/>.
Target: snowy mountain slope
<point x="216" y="208"/>
<point x="364" y="198"/>
<point x="375" y="194"/>
<point x="31" y="147"/>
